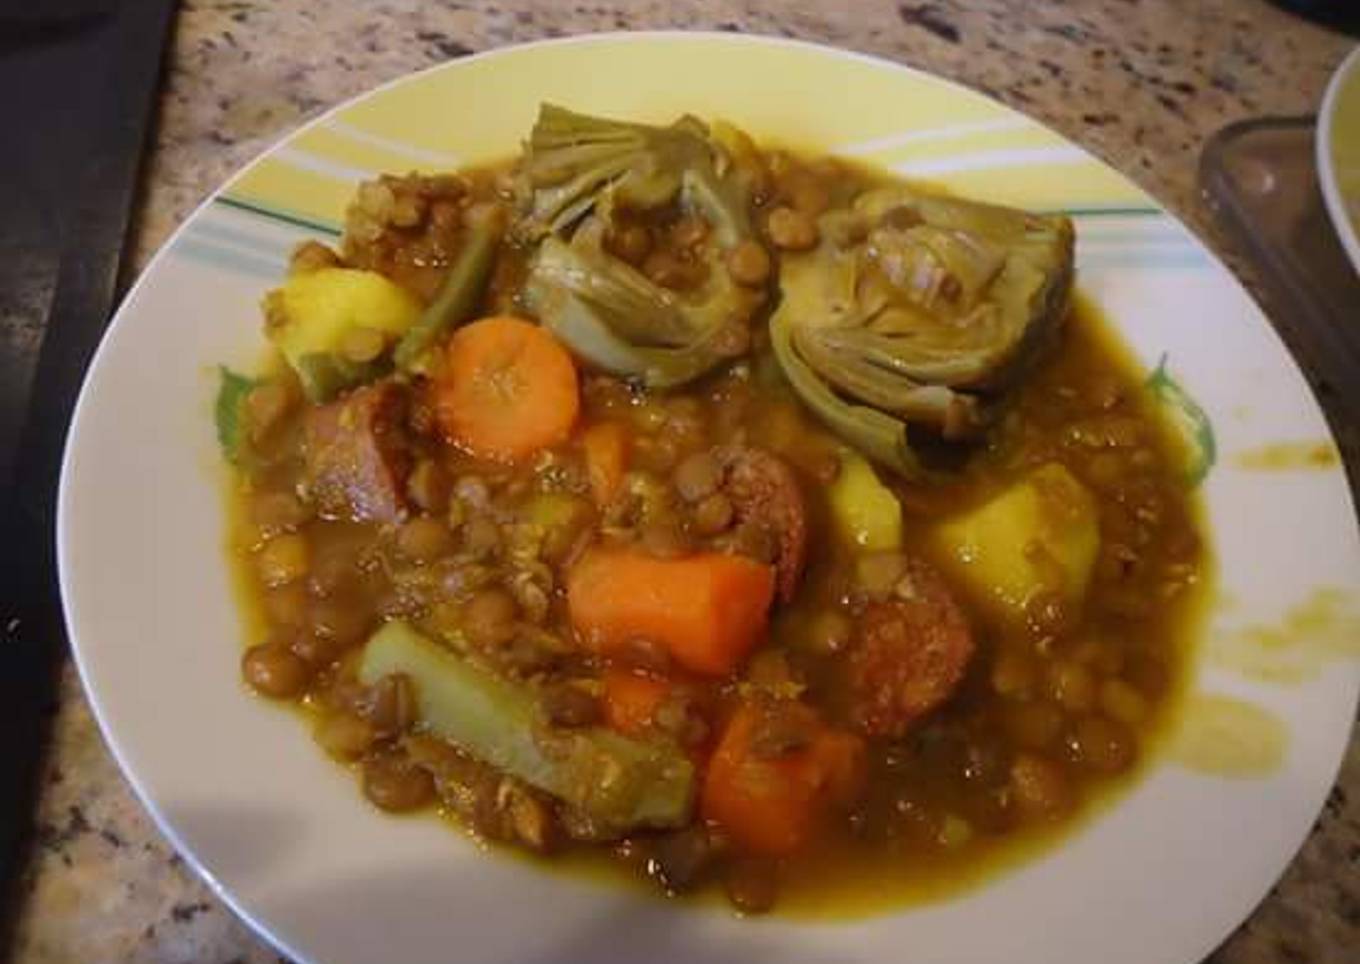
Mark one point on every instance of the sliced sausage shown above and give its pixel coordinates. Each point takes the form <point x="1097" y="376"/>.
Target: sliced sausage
<point x="908" y="655"/>
<point x="356" y="453"/>
<point x="764" y="492"/>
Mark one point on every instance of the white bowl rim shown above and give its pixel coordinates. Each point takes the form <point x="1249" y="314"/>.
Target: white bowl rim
<point x="1341" y="219"/>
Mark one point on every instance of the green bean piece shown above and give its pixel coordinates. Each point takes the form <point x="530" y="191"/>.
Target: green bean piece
<point x="231" y="395"/>
<point x="457" y="299"/>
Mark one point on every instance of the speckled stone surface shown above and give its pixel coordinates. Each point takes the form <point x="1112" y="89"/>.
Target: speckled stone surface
<point x="1140" y="83"/>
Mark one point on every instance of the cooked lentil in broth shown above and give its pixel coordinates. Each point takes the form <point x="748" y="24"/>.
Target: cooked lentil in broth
<point x="678" y="621"/>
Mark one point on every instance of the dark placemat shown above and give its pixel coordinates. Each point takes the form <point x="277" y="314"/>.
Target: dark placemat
<point x="80" y="78"/>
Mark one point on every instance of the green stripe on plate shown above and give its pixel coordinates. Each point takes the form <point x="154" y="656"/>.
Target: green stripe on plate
<point x="1107" y="212"/>
<point x="274" y="214"/>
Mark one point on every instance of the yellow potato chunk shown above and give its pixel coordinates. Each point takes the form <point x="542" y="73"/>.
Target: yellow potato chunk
<point x="1039" y="536"/>
<point x="312" y="313"/>
<point x="866" y="511"/>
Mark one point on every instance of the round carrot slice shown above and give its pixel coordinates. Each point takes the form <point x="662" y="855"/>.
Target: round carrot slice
<point x="508" y="390"/>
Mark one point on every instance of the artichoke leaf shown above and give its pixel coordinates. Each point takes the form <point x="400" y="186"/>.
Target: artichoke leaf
<point x="637" y="308"/>
<point x="581" y="173"/>
<point x="572" y="157"/>
<point x="573" y="161"/>
<point x="941" y="269"/>
<point x="580" y="326"/>
<point x="619" y="321"/>
<point x="917" y="353"/>
<point x="918" y="309"/>
<point x="875" y="378"/>
<point x="877" y="435"/>
<point x="904" y="375"/>
<point x="1004" y="226"/>
<point x="721" y="202"/>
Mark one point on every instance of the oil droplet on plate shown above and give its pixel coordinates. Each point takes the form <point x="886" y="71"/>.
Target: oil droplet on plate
<point x="1282" y="456"/>
<point x="1323" y="628"/>
<point x="1227" y="737"/>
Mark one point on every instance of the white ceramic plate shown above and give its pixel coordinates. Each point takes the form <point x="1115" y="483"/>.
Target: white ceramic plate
<point x="1338" y="153"/>
<point x="281" y="833"/>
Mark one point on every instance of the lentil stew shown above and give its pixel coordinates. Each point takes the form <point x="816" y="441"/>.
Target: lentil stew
<point x="750" y="522"/>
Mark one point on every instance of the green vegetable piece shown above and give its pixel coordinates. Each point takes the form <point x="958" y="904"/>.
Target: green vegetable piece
<point x="325" y="375"/>
<point x="574" y="161"/>
<point x="457" y="300"/>
<point x="231" y="394"/>
<point x="878" y="436"/>
<point x="918" y="309"/>
<point x="1190" y="426"/>
<point x="616" y="780"/>
<point x="865" y="510"/>
<point x="618" y="320"/>
<point x="578" y="172"/>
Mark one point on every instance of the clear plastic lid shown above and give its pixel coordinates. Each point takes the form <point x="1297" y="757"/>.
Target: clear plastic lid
<point x="1260" y="180"/>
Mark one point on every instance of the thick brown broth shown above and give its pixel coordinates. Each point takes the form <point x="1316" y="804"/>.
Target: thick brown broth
<point x="1052" y="715"/>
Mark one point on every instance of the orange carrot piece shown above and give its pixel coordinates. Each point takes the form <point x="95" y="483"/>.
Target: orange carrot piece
<point x="606" y="449"/>
<point x="631" y="700"/>
<point x="773" y="806"/>
<point x="707" y="610"/>
<point x="507" y="390"/>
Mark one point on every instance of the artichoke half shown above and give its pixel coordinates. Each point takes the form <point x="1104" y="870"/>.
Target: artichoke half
<point x="918" y="309"/>
<point x="579" y="172"/>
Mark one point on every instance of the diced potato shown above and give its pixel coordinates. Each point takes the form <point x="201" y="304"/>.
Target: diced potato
<point x="1041" y="535"/>
<point x="866" y="511"/>
<point x="312" y="313"/>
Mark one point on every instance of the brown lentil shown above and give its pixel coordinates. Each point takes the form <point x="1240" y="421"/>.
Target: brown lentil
<point x="284" y="559"/>
<point x="791" y="230"/>
<point x="489" y="617"/>
<point x="749" y="264"/>
<point x="396" y="785"/>
<point x="275" y="671"/>
<point x="1042" y="790"/>
<point x="424" y="539"/>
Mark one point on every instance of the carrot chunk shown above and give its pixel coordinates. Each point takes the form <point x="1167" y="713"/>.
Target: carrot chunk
<point x="508" y="389"/>
<point x="707" y="610"/>
<point x="631" y="700"/>
<point x="772" y="803"/>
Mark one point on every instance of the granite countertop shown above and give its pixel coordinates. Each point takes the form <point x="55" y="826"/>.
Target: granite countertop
<point x="1140" y="83"/>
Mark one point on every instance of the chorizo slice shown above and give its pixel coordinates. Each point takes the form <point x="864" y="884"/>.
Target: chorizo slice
<point x="908" y="655"/>
<point x="356" y="454"/>
<point x="765" y="492"/>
